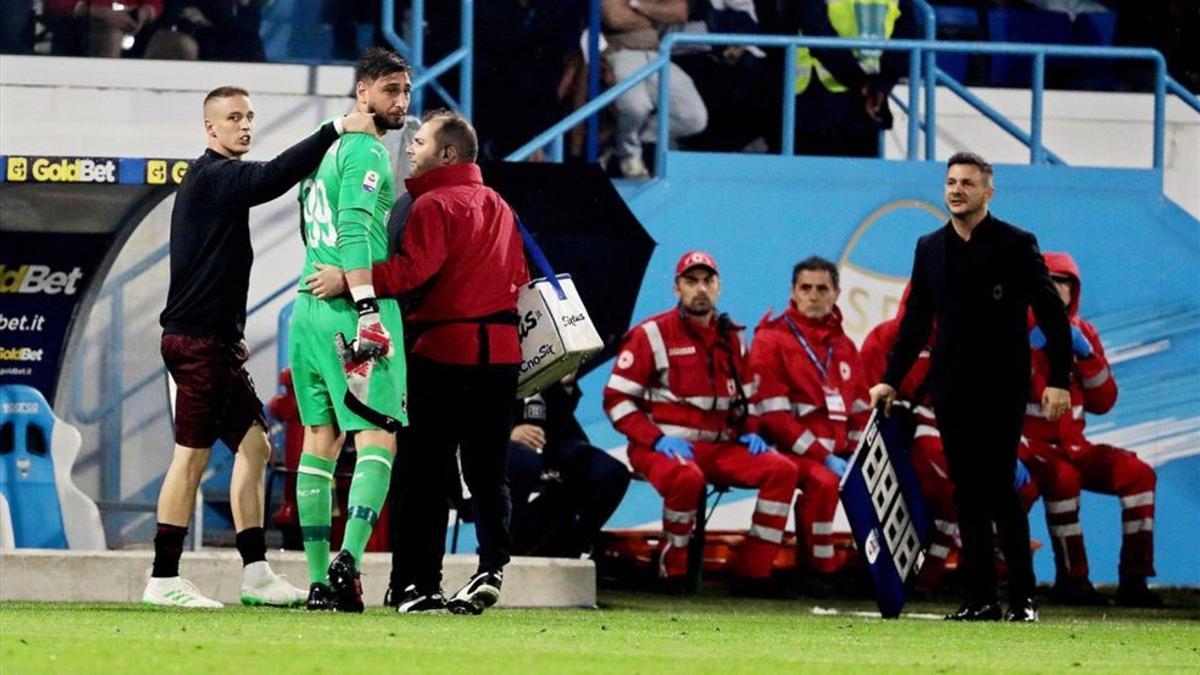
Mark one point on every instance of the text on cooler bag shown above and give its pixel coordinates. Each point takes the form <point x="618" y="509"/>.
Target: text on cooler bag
<point x="556" y="333"/>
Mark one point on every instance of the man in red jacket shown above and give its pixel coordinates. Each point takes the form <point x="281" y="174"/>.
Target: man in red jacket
<point x="681" y="392"/>
<point x="462" y="249"/>
<point x="813" y="399"/>
<point x="1060" y="449"/>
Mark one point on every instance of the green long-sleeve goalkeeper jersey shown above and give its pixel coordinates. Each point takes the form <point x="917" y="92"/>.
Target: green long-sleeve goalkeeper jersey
<point x="344" y="206"/>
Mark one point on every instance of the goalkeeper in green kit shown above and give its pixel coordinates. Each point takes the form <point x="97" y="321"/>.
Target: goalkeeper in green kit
<point x="346" y="354"/>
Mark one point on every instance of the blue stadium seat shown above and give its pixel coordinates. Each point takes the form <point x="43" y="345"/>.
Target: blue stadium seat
<point x="1008" y="24"/>
<point x="955" y="22"/>
<point x="37" y="450"/>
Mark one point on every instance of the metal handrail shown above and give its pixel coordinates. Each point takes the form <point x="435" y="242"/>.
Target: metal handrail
<point x="414" y="51"/>
<point x="1184" y="95"/>
<point x="917" y="50"/>
<point x="944" y="78"/>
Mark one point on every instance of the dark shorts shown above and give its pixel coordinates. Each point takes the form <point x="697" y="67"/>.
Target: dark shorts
<point x="215" y="398"/>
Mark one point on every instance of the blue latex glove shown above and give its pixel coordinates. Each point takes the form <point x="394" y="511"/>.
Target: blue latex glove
<point x="1022" y="476"/>
<point x="756" y="443"/>
<point x="836" y="464"/>
<point x="674" y="448"/>
<point x="1037" y="339"/>
<point x="1080" y="344"/>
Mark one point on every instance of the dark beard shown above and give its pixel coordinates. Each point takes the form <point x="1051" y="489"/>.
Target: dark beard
<point x="382" y="123"/>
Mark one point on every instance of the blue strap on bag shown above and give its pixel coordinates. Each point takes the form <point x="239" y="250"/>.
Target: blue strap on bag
<point x="539" y="259"/>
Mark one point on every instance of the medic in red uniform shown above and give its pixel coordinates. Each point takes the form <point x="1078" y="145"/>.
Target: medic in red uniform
<point x="1058" y="453"/>
<point x="682" y="393"/>
<point x="814" y="401"/>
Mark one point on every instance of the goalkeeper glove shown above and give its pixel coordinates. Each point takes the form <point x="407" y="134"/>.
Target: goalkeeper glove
<point x="372" y="341"/>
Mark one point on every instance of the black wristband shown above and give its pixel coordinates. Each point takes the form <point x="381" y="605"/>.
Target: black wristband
<point x="366" y="306"/>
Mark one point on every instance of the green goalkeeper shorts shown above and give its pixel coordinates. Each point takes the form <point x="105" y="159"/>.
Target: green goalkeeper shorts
<point x="317" y="371"/>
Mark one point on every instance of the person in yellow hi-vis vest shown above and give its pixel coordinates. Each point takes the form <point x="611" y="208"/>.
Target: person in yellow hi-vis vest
<point x="841" y="94"/>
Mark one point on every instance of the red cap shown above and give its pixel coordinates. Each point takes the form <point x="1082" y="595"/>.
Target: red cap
<point x="695" y="259"/>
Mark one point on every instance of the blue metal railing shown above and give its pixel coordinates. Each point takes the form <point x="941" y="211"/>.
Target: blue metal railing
<point x="414" y="51"/>
<point x="918" y="50"/>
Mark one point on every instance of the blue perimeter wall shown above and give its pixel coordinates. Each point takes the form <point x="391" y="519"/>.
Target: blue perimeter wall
<point x="1139" y="254"/>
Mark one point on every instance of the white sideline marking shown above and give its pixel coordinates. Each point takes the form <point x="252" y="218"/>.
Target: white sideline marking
<point x="830" y="611"/>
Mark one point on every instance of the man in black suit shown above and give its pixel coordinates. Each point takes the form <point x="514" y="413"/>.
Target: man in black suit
<point x="976" y="279"/>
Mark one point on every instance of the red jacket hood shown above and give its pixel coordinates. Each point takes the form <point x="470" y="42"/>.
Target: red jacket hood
<point x="444" y="176"/>
<point x="1062" y="264"/>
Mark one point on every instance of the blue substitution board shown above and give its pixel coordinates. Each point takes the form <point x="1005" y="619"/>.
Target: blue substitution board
<point x="888" y="516"/>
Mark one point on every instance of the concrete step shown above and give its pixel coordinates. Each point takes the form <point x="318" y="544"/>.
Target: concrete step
<point x="120" y="576"/>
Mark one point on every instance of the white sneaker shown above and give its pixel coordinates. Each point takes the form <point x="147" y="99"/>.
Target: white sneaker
<point x="176" y="592"/>
<point x="261" y="586"/>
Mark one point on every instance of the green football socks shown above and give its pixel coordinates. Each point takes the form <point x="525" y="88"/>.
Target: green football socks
<point x="314" y="483"/>
<point x="372" y="475"/>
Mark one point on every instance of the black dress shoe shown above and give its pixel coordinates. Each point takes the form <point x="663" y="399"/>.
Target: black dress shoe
<point x="976" y="611"/>
<point x="1024" y="611"/>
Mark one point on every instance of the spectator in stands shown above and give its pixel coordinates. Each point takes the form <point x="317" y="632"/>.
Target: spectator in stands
<point x="98" y="27"/>
<point x="16" y="26"/>
<point x="681" y="391"/>
<point x="738" y="89"/>
<point x="813" y="401"/>
<point x="209" y="30"/>
<point x="563" y="488"/>
<point x="526" y="51"/>
<point x="1059" y="448"/>
<point x="633" y="28"/>
<point x="842" y="95"/>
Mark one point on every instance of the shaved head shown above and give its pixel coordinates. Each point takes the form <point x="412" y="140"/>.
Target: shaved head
<point x="229" y="121"/>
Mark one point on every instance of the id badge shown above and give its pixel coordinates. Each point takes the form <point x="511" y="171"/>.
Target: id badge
<point x="835" y="404"/>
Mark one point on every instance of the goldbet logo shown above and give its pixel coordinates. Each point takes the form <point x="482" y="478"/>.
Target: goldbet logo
<point x="18" y="169"/>
<point x="80" y="170"/>
<point x="27" y="354"/>
<point x="38" y="279"/>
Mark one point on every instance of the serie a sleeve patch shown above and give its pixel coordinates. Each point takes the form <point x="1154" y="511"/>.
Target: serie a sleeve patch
<point x="370" y="181"/>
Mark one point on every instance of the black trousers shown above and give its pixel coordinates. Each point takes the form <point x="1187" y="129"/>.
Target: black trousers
<point x="562" y="497"/>
<point x="451" y="407"/>
<point x="981" y="441"/>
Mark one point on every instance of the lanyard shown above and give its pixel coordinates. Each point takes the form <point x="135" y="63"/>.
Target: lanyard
<point x="822" y="367"/>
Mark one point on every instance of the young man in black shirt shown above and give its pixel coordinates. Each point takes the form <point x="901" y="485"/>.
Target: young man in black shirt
<point x="203" y="344"/>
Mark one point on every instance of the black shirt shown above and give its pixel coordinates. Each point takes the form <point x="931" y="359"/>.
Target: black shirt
<point x="210" y="234"/>
<point x="979" y="293"/>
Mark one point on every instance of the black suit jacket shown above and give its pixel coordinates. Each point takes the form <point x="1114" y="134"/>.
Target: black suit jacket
<point x="981" y="355"/>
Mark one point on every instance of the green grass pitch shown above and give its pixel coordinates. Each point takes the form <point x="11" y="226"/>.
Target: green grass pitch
<point x="630" y="633"/>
